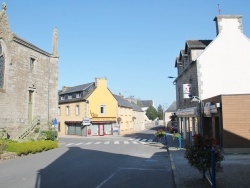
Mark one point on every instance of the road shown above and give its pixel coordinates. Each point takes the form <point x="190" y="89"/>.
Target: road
<point x="100" y="162"/>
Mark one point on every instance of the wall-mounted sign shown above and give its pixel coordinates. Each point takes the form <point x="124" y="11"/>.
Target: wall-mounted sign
<point x="187" y="91"/>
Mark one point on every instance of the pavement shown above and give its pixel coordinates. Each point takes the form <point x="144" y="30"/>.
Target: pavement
<point x="236" y="169"/>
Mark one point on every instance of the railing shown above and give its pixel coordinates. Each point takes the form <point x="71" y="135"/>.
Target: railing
<point x="30" y="128"/>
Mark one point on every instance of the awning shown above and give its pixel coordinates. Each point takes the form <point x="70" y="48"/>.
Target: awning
<point x="187" y="112"/>
<point x="72" y="122"/>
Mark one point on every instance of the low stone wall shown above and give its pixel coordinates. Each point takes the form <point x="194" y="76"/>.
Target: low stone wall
<point x="7" y="156"/>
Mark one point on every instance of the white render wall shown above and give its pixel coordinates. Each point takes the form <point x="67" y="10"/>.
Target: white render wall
<point x="224" y="66"/>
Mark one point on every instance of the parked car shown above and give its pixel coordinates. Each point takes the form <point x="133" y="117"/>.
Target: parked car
<point x="174" y="128"/>
<point x="170" y="124"/>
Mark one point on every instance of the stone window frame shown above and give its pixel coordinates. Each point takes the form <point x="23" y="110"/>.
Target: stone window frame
<point x="32" y="63"/>
<point x="2" y="54"/>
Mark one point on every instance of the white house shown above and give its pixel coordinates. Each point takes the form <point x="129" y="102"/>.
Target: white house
<point x="223" y="67"/>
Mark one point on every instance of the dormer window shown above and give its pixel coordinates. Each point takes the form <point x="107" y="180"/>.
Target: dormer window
<point x="78" y="95"/>
<point x="69" y="96"/>
<point x="62" y="98"/>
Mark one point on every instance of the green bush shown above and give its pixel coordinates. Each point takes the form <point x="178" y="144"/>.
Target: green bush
<point x="25" y="148"/>
<point x="49" y="135"/>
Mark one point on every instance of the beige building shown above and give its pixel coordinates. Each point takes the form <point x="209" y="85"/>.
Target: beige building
<point x="28" y="82"/>
<point x="125" y="116"/>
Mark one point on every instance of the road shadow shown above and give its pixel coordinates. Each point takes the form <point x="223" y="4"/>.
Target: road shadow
<point x="80" y="167"/>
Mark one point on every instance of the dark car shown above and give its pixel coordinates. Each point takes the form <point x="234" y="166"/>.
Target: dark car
<point x="170" y="124"/>
<point x="174" y="128"/>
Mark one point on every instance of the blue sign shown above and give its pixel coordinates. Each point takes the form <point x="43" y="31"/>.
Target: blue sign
<point x="55" y="121"/>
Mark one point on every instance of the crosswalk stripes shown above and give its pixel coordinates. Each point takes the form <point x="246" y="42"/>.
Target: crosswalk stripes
<point x="116" y="142"/>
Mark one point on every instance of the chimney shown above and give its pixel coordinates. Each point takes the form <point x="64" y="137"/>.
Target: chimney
<point x="64" y="88"/>
<point x="101" y="82"/>
<point x="228" y="23"/>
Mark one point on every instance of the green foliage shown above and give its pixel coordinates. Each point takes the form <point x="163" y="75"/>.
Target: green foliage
<point x="199" y="153"/>
<point x="151" y="113"/>
<point x="2" y="146"/>
<point x="25" y="148"/>
<point x="49" y="135"/>
<point x="160" y="133"/>
<point x="160" y="112"/>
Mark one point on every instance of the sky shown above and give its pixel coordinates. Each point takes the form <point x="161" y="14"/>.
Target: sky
<point x="133" y="43"/>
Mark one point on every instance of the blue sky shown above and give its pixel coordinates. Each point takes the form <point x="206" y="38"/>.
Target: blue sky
<point x="133" y="43"/>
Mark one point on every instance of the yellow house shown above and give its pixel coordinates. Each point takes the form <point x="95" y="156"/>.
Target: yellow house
<point x="87" y="110"/>
<point x="102" y="109"/>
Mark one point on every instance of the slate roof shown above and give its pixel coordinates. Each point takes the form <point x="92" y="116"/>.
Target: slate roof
<point x="122" y="102"/>
<point x="146" y="103"/>
<point x="197" y="44"/>
<point x="172" y="107"/>
<point x="83" y="87"/>
<point x="136" y="107"/>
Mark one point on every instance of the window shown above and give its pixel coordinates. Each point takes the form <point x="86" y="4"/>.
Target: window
<point x="32" y="63"/>
<point x="2" y="64"/>
<point x="78" y="95"/>
<point x="59" y="111"/>
<point x="69" y="96"/>
<point x="62" y="97"/>
<point x="67" y="110"/>
<point x="77" y="110"/>
<point x="102" y="109"/>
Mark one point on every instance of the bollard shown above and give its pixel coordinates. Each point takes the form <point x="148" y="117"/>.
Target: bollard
<point x="213" y="167"/>
<point x="166" y="139"/>
<point x="179" y="139"/>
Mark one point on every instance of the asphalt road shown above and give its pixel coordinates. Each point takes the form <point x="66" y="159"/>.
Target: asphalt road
<point x="98" y="162"/>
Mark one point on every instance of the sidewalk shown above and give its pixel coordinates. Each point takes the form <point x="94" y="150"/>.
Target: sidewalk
<point x="236" y="169"/>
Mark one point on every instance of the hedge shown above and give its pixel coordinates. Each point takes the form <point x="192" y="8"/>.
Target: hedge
<point x="25" y="148"/>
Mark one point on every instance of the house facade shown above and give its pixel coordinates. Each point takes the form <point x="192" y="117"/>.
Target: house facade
<point x="28" y="82"/>
<point x="125" y="116"/>
<point x="206" y="69"/>
<point x="87" y="110"/>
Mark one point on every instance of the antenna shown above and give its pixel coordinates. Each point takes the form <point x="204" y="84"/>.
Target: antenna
<point x="219" y="8"/>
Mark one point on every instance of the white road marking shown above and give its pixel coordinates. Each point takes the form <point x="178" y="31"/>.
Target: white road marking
<point x="134" y="142"/>
<point x="126" y="142"/>
<point x="88" y="143"/>
<point x="69" y="144"/>
<point x="78" y="144"/>
<point x="97" y="142"/>
<point x="116" y="142"/>
<point x="107" y="142"/>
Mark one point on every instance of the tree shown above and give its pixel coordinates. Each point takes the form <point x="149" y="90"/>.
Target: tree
<point x="160" y="112"/>
<point x="198" y="154"/>
<point x="151" y="113"/>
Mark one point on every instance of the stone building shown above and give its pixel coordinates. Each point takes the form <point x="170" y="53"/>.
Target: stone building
<point x="28" y="82"/>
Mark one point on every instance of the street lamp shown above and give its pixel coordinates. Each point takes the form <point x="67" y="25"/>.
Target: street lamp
<point x="197" y="99"/>
<point x="171" y="77"/>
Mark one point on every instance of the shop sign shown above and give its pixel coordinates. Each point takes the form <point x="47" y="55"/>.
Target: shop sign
<point x="187" y="91"/>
